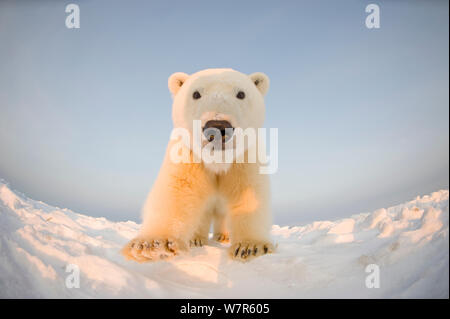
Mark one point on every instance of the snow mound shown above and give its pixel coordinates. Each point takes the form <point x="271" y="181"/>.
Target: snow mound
<point x="409" y="244"/>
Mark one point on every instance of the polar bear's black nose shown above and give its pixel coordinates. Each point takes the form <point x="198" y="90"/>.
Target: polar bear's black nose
<point x="214" y="127"/>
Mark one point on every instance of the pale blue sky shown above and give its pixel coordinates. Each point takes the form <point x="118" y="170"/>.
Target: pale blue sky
<point x="362" y="114"/>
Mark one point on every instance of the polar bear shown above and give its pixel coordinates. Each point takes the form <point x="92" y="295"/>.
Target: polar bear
<point x="187" y="197"/>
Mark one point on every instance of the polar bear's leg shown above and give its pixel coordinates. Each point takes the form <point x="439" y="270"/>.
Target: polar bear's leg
<point x="220" y="228"/>
<point x="250" y="236"/>
<point x="165" y="232"/>
<point x="173" y="212"/>
<point x="250" y="220"/>
<point x="200" y="237"/>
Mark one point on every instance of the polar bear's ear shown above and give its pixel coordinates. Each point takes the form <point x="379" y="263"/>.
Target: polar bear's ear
<point x="176" y="80"/>
<point x="261" y="81"/>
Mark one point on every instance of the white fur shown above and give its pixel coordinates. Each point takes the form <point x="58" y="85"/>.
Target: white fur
<point x="186" y="198"/>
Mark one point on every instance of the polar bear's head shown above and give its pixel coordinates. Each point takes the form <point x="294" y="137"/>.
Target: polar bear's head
<point x="220" y="99"/>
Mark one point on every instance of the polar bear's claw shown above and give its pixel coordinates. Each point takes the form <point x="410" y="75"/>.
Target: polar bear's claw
<point x="142" y="250"/>
<point x="222" y="237"/>
<point x="246" y="250"/>
<point x="197" y="242"/>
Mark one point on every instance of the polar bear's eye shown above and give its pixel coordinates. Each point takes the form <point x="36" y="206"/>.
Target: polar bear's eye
<point x="196" y="95"/>
<point x="240" y="95"/>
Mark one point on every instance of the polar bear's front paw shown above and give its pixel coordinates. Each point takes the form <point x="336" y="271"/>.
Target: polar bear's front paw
<point x="246" y="250"/>
<point x="142" y="250"/>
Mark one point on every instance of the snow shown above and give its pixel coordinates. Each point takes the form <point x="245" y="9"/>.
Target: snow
<point x="409" y="243"/>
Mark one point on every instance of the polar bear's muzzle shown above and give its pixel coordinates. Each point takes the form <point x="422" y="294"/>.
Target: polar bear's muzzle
<point x="218" y="130"/>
